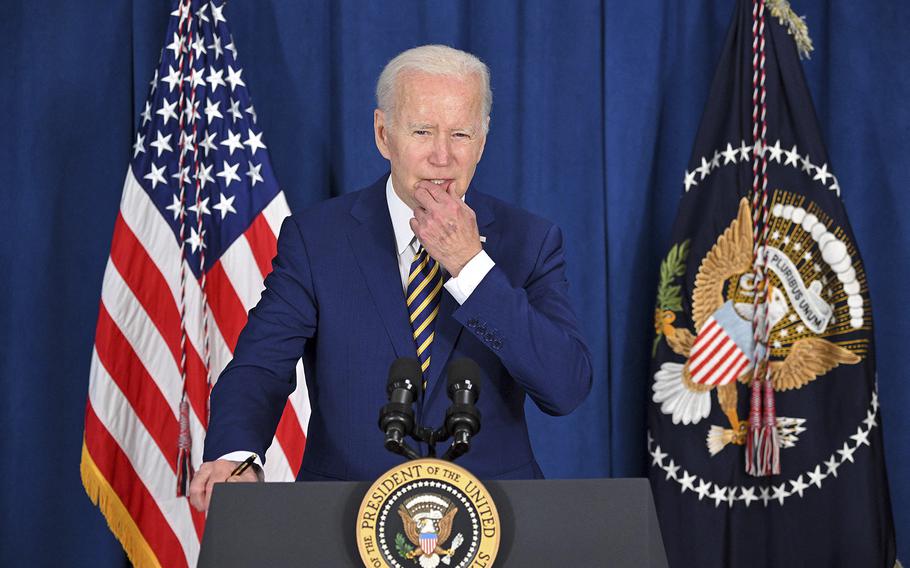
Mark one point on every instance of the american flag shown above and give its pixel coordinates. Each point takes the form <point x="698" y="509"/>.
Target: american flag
<point x="193" y="241"/>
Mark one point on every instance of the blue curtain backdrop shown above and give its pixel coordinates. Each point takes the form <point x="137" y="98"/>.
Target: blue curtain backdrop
<point x="595" y="108"/>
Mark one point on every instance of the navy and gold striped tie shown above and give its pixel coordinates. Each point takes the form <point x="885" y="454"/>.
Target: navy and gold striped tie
<point x="424" y="286"/>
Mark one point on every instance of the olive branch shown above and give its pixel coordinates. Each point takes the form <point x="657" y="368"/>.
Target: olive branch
<point x="668" y="293"/>
<point x="402" y="546"/>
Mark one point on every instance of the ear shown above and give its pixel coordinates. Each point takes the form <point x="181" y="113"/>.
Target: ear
<point x="483" y="141"/>
<point x="381" y="133"/>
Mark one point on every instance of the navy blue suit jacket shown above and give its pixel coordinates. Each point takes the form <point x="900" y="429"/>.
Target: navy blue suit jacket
<point x="335" y="297"/>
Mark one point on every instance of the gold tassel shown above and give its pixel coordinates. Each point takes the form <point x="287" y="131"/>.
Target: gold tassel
<point x="796" y="25"/>
<point x="118" y="518"/>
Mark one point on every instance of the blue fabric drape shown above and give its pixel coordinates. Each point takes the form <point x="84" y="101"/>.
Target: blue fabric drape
<point x="595" y="109"/>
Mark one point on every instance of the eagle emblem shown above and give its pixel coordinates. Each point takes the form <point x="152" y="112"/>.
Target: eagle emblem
<point x="427" y="520"/>
<point x="808" y="323"/>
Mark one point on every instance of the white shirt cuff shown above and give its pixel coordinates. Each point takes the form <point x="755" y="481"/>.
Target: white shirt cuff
<point x="463" y="285"/>
<point x="242" y="456"/>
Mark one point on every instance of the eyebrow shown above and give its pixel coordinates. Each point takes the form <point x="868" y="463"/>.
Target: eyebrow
<point x="428" y="126"/>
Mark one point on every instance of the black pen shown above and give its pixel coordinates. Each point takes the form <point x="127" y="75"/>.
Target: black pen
<point x="243" y="466"/>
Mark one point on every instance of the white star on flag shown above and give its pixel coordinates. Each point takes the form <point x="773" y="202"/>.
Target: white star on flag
<point x="214" y="78"/>
<point x="690" y="180"/>
<point x="204" y="205"/>
<point x="191" y="112"/>
<point x="747" y="494"/>
<point x="204" y="175"/>
<point x="798" y="486"/>
<point x="792" y="157"/>
<point x="254" y="174"/>
<point x="235" y="111"/>
<point x="729" y="154"/>
<point x="822" y="174"/>
<point x="162" y="144"/>
<point x="156" y="176"/>
<point x="212" y="110"/>
<point x="216" y="45"/>
<point x="182" y="176"/>
<point x="744" y="150"/>
<point x="775" y="151"/>
<point x="175" y="207"/>
<point x="198" y="45"/>
<point x="225" y="206"/>
<point x="175" y="45"/>
<point x="816" y="477"/>
<point x="173" y="78"/>
<point x="217" y="13"/>
<point x="686" y="482"/>
<point x="229" y="173"/>
<point x="254" y="141"/>
<point x="138" y="146"/>
<point x="167" y="111"/>
<point x="208" y="142"/>
<point x="232" y="142"/>
<point x="200" y="13"/>
<point x="234" y="78"/>
<point x="195" y="240"/>
<point x="195" y="79"/>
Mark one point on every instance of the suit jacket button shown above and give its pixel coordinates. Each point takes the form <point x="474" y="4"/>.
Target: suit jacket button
<point x="496" y="344"/>
<point x="472" y="323"/>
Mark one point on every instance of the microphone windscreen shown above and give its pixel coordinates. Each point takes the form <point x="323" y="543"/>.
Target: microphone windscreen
<point x="405" y="369"/>
<point x="462" y="370"/>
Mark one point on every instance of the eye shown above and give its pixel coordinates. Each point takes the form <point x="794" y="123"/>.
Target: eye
<point x="421" y="132"/>
<point x="462" y="135"/>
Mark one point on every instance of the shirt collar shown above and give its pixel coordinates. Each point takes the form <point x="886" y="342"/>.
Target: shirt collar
<point x="401" y="216"/>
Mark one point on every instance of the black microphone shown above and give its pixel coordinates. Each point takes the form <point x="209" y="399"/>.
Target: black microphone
<point x="462" y="417"/>
<point x="396" y="418"/>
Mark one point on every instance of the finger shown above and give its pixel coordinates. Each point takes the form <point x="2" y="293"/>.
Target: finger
<point x="421" y="215"/>
<point x="197" y="487"/>
<point x="417" y="228"/>
<point x="424" y="197"/>
<point x="209" y="487"/>
<point x="436" y="191"/>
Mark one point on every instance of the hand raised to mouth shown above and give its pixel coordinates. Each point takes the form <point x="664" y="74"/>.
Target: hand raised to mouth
<point x="445" y="225"/>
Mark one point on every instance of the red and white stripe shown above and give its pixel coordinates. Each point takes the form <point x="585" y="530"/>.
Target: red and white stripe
<point x="132" y="419"/>
<point x="716" y="359"/>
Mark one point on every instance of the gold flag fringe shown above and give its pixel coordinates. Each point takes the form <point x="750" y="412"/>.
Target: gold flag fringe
<point x="796" y="25"/>
<point x="118" y="518"/>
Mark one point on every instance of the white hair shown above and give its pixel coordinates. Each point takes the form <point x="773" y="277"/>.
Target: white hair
<point x="433" y="60"/>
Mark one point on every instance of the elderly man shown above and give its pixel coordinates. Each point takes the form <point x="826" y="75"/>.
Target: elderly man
<point x="418" y="264"/>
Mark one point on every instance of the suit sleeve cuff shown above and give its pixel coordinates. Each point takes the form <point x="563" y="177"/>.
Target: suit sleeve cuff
<point x="240" y="456"/>
<point x="462" y="286"/>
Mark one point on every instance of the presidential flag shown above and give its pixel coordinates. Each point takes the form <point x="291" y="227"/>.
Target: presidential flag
<point x="764" y="426"/>
<point x="193" y="241"/>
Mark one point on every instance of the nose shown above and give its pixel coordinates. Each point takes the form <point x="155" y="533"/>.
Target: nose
<point x="441" y="152"/>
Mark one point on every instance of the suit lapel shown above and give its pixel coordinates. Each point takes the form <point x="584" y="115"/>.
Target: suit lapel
<point x="448" y="329"/>
<point x="373" y="243"/>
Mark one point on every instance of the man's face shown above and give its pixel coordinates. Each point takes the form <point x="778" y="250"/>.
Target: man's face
<point x="436" y="134"/>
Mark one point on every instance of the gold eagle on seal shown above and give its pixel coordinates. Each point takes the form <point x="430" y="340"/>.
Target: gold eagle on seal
<point x="719" y="353"/>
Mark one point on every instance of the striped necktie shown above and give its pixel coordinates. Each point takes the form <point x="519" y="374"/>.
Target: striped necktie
<point x="424" y="286"/>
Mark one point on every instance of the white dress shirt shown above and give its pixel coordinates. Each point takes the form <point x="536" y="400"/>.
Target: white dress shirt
<point x="406" y="245"/>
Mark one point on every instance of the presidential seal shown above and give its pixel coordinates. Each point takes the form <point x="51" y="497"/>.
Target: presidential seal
<point x="427" y="513"/>
<point x="816" y="310"/>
